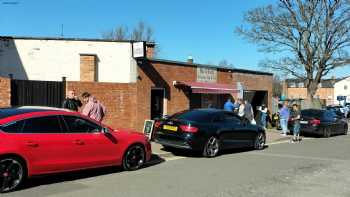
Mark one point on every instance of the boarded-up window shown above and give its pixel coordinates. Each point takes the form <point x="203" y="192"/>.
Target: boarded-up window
<point x="88" y="67"/>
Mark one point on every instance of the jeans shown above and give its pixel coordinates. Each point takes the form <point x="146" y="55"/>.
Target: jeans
<point x="296" y="129"/>
<point x="263" y="119"/>
<point x="284" y="125"/>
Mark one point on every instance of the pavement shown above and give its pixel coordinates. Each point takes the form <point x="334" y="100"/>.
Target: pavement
<point x="315" y="167"/>
<point x="272" y="136"/>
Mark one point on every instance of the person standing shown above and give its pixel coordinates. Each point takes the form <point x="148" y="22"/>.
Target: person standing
<point x="236" y="106"/>
<point x="248" y="112"/>
<point x="93" y="108"/>
<point x="72" y="102"/>
<point x="284" y="117"/>
<point x="263" y="115"/>
<point x="228" y="106"/>
<point x="295" y="117"/>
<point x="241" y="108"/>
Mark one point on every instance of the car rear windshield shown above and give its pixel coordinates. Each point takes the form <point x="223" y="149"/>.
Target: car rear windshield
<point x="197" y="116"/>
<point x="312" y="113"/>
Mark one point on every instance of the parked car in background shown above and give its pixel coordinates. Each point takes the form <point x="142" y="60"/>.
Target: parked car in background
<point x="339" y="110"/>
<point x="208" y="131"/>
<point x="322" y="122"/>
<point x="35" y="141"/>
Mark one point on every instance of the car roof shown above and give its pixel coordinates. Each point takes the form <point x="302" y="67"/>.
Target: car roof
<point x="208" y="110"/>
<point x="13" y="111"/>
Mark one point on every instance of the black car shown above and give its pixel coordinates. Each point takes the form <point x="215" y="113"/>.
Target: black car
<point x="208" y="131"/>
<point x="322" y="122"/>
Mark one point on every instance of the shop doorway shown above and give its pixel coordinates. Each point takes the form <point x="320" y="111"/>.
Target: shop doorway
<point x="157" y="102"/>
<point x="256" y="98"/>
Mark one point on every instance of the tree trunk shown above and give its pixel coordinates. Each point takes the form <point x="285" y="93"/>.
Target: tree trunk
<point x="311" y="102"/>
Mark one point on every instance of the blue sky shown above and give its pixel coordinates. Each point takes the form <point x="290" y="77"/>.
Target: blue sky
<point x="203" y="29"/>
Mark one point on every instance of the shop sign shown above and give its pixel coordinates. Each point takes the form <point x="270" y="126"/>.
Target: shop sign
<point x="138" y="49"/>
<point x="148" y="128"/>
<point x="206" y="74"/>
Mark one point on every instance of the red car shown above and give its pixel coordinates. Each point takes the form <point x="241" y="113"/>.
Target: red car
<point x="35" y="141"/>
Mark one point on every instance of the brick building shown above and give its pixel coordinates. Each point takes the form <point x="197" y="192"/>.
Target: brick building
<point x="150" y="87"/>
<point x="295" y="89"/>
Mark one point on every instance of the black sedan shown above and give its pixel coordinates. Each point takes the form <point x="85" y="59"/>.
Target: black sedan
<point x="322" y="122"/>
<point x="208" y="131"/>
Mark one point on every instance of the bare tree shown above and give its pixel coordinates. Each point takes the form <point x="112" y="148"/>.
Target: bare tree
<point x="277" y="86"/>
<point x="142" y="32"/>
<point x="225" y="63"/>
<point x="119" y="33"/>
<point x="315" y="35"/>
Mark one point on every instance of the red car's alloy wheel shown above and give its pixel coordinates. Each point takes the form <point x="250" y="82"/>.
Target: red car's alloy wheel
<point x="11" y="174"/>
<point x="134" y="157"/>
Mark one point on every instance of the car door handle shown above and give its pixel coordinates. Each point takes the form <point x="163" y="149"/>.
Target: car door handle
<point x="79" y="142"/>
<point x="32" y="144"/>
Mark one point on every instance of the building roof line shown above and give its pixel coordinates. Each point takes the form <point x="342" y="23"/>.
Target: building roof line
<point x="210" y="66"/>
<point x="72" y="39"/>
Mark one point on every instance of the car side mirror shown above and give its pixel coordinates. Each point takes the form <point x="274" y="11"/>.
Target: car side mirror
<point x="105" y="130"/>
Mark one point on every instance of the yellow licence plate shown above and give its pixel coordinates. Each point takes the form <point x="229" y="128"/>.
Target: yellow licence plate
<point x="168" y="127"/>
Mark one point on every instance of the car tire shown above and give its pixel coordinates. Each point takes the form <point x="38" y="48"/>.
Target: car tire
<point x="134" y="157"/>
<point x="346" y="130"/>
<point x="326" y="132"/>
<point x="260" y="141"/>
<point x="211" y="147"/>
<point x="12" y="170"/>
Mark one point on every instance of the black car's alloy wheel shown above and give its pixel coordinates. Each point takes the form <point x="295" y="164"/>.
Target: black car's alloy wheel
<point x="260" y="141"/>
<point x="346" y="130"/>
<point x="12" y="173"/>
<point x="326" y="132"/>
<point x="134" y="157"/>
<point x="211" y="148"/>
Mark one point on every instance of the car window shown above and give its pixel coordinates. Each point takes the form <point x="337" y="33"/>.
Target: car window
<point x="47" y="124"/>
<point x="228" y="117"/>
<point x="13" y="127"/>
<point x="312" y="113"/>
<point x="79" y="125"/>
<point x="195" y="115"/>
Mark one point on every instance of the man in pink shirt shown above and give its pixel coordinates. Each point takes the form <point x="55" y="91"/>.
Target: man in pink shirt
<point x="93" y="108"/>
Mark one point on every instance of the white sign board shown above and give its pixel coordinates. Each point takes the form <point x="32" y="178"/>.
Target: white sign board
<point x="206" y="74"/>
<point x="138" y="49"/>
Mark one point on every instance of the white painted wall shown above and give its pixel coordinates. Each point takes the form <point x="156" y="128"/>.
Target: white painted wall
<point x="50" y="60"/>
<point x="342" y="88"/>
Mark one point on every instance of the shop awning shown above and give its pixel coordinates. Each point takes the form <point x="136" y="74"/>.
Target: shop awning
<point x="208" y="88"/>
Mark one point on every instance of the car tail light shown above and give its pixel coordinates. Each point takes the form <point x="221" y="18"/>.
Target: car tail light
<point x="188" y="128"/>
<point x="315" y="122"/>
<point x="157" y="124"/>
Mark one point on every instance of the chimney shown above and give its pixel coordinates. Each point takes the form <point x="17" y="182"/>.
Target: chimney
<point x="150" y="49"/>
<point x="190" y="59"/>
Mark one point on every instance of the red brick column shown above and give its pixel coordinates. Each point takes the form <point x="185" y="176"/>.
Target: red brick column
<point x="5" y="92"/>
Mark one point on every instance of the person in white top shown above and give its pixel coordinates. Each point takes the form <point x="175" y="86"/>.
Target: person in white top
<point x="263" y="112"/>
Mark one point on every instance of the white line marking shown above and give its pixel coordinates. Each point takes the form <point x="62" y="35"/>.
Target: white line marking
<point x="297" y="157"/>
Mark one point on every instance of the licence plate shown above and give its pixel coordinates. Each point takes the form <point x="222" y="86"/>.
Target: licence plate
<point x="170" y="128"/>
<point x="303" y="122"/>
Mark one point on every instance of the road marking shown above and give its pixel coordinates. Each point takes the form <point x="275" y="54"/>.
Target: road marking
<point x="174" y="158"/>
<point x="286" y="141"/>
<point x="297" y="157"/>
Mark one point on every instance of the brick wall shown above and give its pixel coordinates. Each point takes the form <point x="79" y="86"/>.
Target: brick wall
<point x="256" y="82"/>
<point x="326" y="94"/>
<point x="119" y="99"/>
<point x="88" y="71"/>
<point x="157" y="74"/>
<point x="5" y="92"/>
<point x="162" y="75"/>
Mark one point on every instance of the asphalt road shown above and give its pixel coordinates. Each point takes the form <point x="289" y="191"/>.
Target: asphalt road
<point x="315" y="167"/>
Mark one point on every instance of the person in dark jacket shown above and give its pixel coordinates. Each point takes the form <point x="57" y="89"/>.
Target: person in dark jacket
<point x="72" y="102"/>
